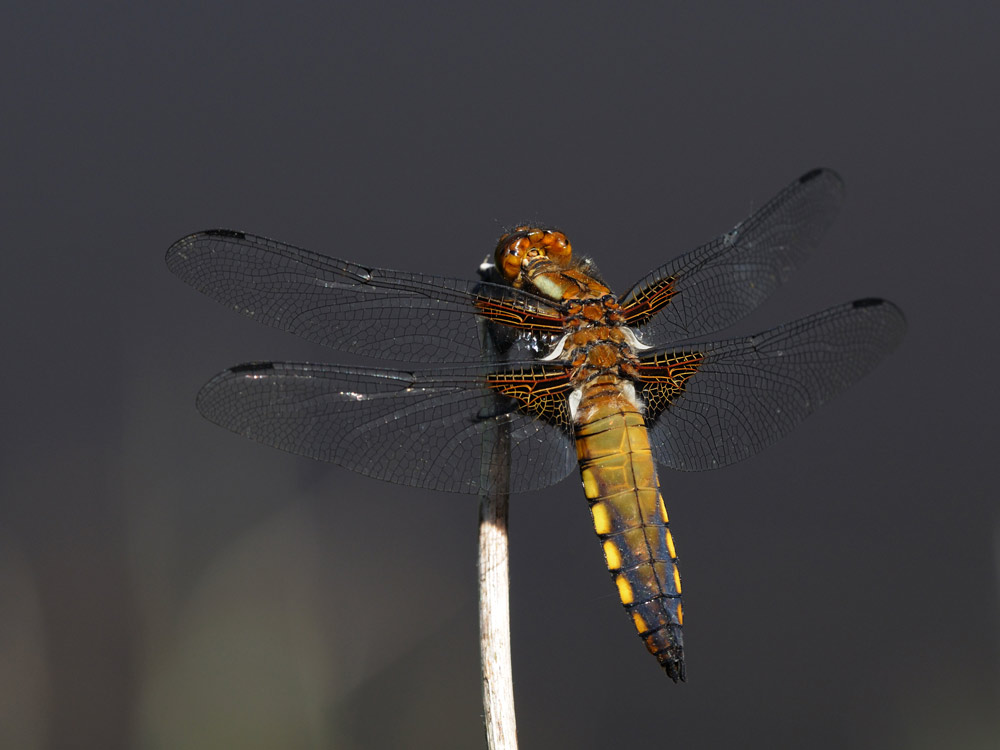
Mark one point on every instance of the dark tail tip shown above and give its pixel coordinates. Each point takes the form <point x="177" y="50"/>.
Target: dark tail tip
<point x="674" y="666"/>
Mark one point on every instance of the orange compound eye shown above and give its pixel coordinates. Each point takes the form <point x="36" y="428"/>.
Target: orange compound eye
<point x="530" y="242"/>
<point x="509" y="255"/>
<point x="557" y="247"/>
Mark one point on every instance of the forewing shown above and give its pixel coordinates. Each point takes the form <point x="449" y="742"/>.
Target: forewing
<point x="712" y="287"/>
<point x="709" y="405"/>
<point x="375" y="312"/>
<point x="441" y="429"/>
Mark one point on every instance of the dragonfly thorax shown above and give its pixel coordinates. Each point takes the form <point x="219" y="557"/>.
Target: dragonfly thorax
<point x="541" y="260"/>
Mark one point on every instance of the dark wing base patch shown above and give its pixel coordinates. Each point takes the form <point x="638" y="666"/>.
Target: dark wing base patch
<point x="539" y="391"/>
<point x="663" y="377"/>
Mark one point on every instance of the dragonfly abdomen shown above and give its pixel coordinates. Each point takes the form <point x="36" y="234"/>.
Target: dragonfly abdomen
<point x="620" y="482"/>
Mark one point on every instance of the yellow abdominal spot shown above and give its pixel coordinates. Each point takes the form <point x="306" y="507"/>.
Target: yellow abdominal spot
<point x="663" y="511"/>
<point x="590" y="488"/>
<point x="680" y="614"/>
<point x="602" y="519"/>
<point x="624" y="590"/>
<point x="612" y="555"/>
<point x="677" y="579"/>
<point x="670" y="545"/>
<point x="640" y="624"/>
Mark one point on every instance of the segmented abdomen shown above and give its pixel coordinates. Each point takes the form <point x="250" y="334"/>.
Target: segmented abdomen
<point x="619" y="480"/>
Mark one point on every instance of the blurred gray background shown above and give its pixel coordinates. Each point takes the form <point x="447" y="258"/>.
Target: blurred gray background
<point x="165" y="584"/>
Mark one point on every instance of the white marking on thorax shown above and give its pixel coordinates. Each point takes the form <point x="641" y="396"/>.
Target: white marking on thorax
<point x="547" y="286"/>
<point x="574" y="403"/>
<point x="557" y="351"/>
<point x="628" y="390"/>
<point x="633" y="340"/>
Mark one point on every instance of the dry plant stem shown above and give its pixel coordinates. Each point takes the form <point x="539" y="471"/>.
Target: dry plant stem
<point x="494" y="623"/>
<point x="494" y="576"/>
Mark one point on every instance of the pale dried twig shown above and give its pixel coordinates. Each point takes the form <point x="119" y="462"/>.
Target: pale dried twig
<point x="494" y="578"/>
<point x="494" y="623"/>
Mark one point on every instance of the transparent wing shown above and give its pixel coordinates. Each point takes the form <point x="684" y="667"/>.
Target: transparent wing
<point x="370" y="311"/>
<point x="438" y="428"/>
<point x="715" y="285"/>
<point x="715" y="404"/>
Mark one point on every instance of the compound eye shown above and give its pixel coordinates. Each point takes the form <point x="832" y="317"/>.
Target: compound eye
<point x="555" y="245"/>
<point x="510" y="254"/>
<point x="531" y="242"/>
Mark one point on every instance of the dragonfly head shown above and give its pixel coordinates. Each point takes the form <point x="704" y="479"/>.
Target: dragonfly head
<point x="525" y="245"/>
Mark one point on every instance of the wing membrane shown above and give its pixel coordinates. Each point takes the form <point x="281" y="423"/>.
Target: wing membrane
<point x="717" y="284"/>
<point x="370" y="311"/>
<point x="731" y="399"/>
<point x="432" y="429"/>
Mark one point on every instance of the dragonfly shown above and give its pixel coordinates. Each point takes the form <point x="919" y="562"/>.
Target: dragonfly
<point x="538" y="367"/>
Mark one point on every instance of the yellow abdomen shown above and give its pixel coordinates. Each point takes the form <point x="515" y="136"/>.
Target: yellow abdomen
<point x="619" y="480"/>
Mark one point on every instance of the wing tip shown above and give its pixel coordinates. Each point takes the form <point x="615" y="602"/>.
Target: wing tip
<point x="813" y="174"/>
<point x="177" y="249"/>
<point x="893" y="318"/>
<point x="205" y="400"/>
<point x="251" y="367"/>
<point x="825" y="174"/>
<point x="874" y="302"/>
<point x="869" y="302"/>
<point x="232" y="233"/>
